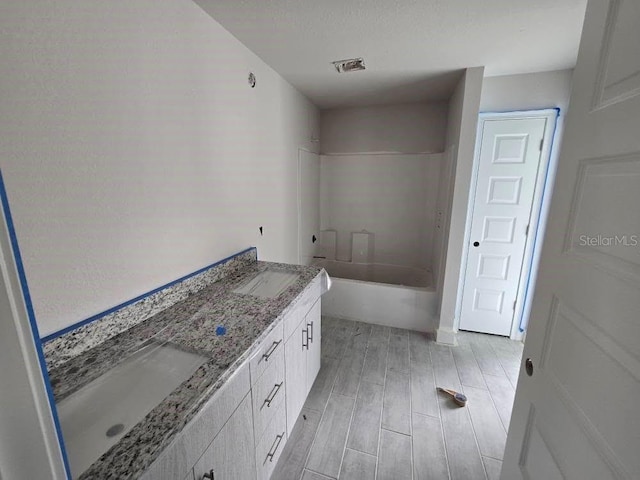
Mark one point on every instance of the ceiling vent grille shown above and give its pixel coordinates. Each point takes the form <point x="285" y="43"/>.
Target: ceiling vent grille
<point x="350" y="65"/>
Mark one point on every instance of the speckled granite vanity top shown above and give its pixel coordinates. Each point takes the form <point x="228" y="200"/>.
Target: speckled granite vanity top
<point x="191" y="325"/>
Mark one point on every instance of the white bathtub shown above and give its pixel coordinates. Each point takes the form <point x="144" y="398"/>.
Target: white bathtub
<point x="382" y="294"/>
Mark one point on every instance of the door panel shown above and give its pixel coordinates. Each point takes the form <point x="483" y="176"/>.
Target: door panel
<point x="508" y="170"/>
<point x="580" y="403"/>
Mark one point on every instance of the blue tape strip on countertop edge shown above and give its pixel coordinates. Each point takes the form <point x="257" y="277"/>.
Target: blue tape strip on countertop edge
<point x="522" y="328"/>
<point x="32" y="321"/>
<point x="98" y="316"/>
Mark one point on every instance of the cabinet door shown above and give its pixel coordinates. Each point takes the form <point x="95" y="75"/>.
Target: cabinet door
<point x="313" y="321"/>
<point x="295" y="359"/>
<point x="231" y="455"/>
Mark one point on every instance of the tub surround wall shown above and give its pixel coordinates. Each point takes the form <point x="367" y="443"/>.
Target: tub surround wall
<point x="392" y="196"/>
<point x="134" y="152"/>
<point x="63" y="348"/>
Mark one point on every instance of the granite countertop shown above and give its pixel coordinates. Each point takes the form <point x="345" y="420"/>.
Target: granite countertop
<point x="191" y="326"/>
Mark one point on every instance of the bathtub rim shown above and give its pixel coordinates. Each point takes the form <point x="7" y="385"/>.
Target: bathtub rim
<point x="321" y="262"/>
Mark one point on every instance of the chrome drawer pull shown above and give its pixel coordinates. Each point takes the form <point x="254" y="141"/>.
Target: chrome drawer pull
<point x="272" y="395"/>
<point x="310" y="329"/>
<point x="271" y="350"/>
<point x="209" y="476"/>
<point x="274" y="447"/>
<point x="305" y="338"/>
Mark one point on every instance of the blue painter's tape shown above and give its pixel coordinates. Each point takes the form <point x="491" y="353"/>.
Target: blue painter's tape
<point x="98" y="316"/>
<point x="220" y="330"/>
<point x="521" y="326"/>
<point x="32" y="320"/>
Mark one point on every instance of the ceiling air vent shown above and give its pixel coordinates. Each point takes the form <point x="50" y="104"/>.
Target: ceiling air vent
<point x="350" y="65"/>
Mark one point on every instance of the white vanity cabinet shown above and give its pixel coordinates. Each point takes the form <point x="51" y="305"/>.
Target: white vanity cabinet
<point x="230" y="455"/>
<point x="302" y="359"/>
<point x="241" y="431"/>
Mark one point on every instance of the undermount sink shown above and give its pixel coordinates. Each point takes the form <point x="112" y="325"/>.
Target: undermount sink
<point x="99" y="414"/>
<point x="268" y="284"/>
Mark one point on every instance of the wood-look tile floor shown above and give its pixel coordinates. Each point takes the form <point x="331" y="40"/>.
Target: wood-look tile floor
<point x="374" y="412"/>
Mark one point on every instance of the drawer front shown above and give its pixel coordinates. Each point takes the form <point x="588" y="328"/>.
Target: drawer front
<point x="271" y="444"/>
<point x="268" y="393"/>
<point x="301" y="306"/>
<point x="269" y="347"/>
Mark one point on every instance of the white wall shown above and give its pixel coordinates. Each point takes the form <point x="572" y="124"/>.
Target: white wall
<point x="134" y="152"/>
<point x="393" y="196"/>
<point x="532" y="91"/>
<point x="403" y="128"/>
<point x="376" y="176"/>
<point x="461" y="137"/>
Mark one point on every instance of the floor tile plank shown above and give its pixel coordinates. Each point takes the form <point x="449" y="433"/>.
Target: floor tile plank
<point x="503" y="394"/>
<point x="485" y="356"/>
<point x="365" y="425"/>
<point x="398" y="359"/>
<point x="493" y="468"/>
<point x="309" y="475"/>
<point x="444" y="367"/>
<point x="488" y="428"/>
<point x="326" y="453"/>
<point x="429" y="458"/>
<point x="468" y="368"/>
<point x="294" y="455"/>
<point x="321" y="389"/>
<point x="349" y="372"/>
<point x="463" y="455"/>
<point x="396" y="410"/>
<point x="375" y="363"/>
<point x="394" y="461"/>
<point x="357" y="466"/>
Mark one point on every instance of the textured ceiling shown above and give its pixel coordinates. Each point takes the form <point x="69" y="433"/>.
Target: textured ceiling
<point x="414" y="50"/>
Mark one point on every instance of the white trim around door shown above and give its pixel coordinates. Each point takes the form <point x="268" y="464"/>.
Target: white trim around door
<point x="546" y="171"/>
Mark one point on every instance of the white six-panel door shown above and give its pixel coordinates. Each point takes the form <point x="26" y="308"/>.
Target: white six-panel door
<point x="509" y="160"/>
<point x="576" y="410"/>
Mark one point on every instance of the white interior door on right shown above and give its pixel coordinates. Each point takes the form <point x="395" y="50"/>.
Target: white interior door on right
<point x="575" y="414"/>
<point x="508" y="171"/>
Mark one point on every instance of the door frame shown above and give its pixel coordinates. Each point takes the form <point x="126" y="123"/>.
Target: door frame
<point x="33" y="417"/>
<point x="547" y="169"/>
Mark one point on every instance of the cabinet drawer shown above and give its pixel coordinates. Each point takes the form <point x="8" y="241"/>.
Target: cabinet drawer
<point x="268" y="393"/>
<point x="302" y="304"/>
<point x="271" y="444"/>
<point x="269" y="347"/>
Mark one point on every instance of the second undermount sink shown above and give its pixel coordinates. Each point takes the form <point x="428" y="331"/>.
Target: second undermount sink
<point x="268" y="284"/>
<point x="99" y="414"/>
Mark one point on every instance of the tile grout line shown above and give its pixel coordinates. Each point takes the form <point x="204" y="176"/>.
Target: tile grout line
<point x="384" y="389"/>
<point x="444" y="438"/>
<point x="410" y="406"/>
<point x="473" y="426"/>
